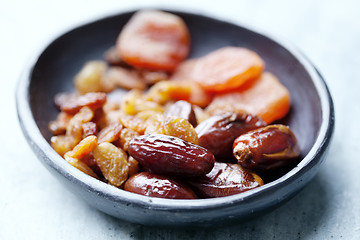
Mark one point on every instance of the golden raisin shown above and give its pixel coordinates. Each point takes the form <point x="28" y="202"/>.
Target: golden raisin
<point x="83" y="148"/>
<point x="126" y="135"/>
<point x="112" y="162"/>
<point x="176" y="127"/>
<point x="110" y="133"/>
<point x="89" y="77"/>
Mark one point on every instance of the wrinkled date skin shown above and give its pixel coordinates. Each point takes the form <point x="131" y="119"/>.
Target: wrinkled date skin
<point x="218" y="133"/>
<point x="153" y="185"/>
<point x="266" y="148"/>
<point x="225" y="179"/>
<point x="172" y="156"/>
<point x="184" y="110"/>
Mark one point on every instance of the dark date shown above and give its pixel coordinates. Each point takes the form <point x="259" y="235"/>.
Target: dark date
<point x="184" y="110"/>
<point x="225" y="179"/>
<point x="154" y="185"/>
<point x="218" y="133"/>
<point x="266" y="148"/>
<point x="171" y="156"/>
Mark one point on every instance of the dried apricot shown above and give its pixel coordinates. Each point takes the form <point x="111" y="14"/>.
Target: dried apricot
<point x="266" y="98"/>
<point x="154" y="40"/>
<point x="227" y="68"/>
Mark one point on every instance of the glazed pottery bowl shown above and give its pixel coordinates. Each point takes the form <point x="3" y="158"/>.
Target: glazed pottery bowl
<point x="311" y="118"/>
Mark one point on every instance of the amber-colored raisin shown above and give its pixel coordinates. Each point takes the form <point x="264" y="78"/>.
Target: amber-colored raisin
<point x="89" y="77"/>
<point x="92" y="100"/>
<point x="124" y="78"/>
<point x="112" y="162"/>
<point x="126" y="135"/>
<point x="110" y="133"/>
<point x="81" y="166"/>
<point x="82" y="148"/>
<point x="58" y="127"/>
<point x="133" y="166"/>
<point x="89" y="128"/>
<point x="134" y="123"/>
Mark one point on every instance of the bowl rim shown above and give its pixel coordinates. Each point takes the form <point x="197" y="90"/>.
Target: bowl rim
<point x="43" y="149"/>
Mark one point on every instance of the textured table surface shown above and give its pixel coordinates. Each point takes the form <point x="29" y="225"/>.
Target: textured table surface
<point x="33" y="205"/>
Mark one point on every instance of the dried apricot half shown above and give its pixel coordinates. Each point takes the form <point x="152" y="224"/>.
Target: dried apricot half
<point x="266" y="98"/>
<point x="227" y="68"/>
<point x="154" y="40"/>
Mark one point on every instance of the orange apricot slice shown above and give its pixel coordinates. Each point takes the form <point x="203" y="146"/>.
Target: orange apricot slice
<point x="227" y="68"/>
<point x="266" y="98"/>
<point x="154" y="40"/>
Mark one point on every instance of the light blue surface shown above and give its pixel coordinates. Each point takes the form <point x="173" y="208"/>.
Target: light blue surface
<point x="33" y="205"/>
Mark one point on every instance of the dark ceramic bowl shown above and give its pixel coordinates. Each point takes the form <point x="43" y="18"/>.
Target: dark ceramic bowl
<point x="311" y="118"/>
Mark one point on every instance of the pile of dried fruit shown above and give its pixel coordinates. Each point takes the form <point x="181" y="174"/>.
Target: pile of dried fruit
<point x="194" y="128"/>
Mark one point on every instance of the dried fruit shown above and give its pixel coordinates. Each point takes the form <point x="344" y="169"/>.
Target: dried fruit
<point x="171" y="156"/>
<point x="89" y="128"/>
<point x="110" y="133"/>
<point x="74" y="132"/>
<point x="133" y="103"/>
<point x="133" y="166"/>
<point x="58" y="127"/>
<point x="153" y="185"/>
<point x="89" y="77"/>
<point x="112" y="57"/>
<point x="112" y="162"/>
<point x="164" y="91"/>
<point x="83" y="148"/>
<point x="182" y="109"/>
<point x="172" y="126"/>
<point x="225" y="179"/>
<point x="73" y="104"/>
<point x="152" y="77"/>
<point x="218" y="133"/>
<point x="81" y="166"/>
<point x="266" y="148"/>
<point x="126" y="135"/>
<point x="266" y="98"/>
<point x="227" y="68"/>
<point x="134" y="123"/>
<point x="124" y="78"/>
<point x="154" y="40"/>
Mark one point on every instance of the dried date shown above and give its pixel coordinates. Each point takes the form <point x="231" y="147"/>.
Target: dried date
<point x="266" y="148"/>
<point x="172" y="156"/>
<point x="153" y="185"/>
<point x="225" y="179"/>
<point x="182" y="109"/>
<point x="218" y="133"/>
